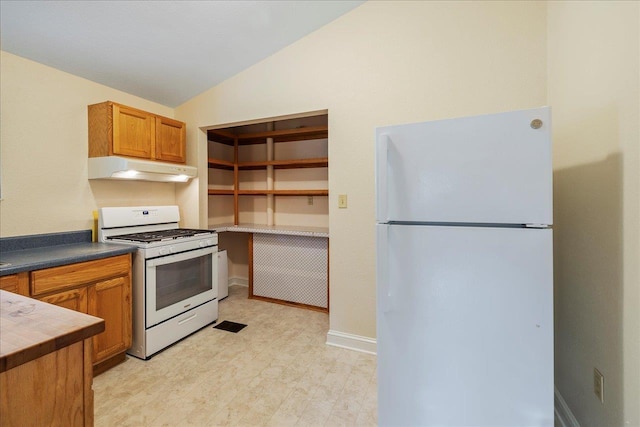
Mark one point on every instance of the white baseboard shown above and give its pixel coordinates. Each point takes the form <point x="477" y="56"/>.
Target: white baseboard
<point x="564" y="416"/>
<point x="240" y="281"/>
<point x="351" y="342"/>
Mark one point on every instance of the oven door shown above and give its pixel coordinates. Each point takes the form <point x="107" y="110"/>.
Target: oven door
<point x="178" y="283"/>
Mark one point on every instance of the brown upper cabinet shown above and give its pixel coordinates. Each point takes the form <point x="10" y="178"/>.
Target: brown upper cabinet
<point x="118" y="130"/>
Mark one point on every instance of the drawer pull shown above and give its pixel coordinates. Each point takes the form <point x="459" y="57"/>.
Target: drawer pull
<point x="187" y="319"/>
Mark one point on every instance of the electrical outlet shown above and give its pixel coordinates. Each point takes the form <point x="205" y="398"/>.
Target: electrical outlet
<point x="342" y="201"/>
<point x="598" y="384"/>
<point x="310" y="200"/>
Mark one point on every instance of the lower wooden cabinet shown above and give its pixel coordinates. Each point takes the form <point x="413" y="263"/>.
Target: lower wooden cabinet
<point x="75" y="299"/>
<point x="111" y="301"/>
<point x="53" y="390"/>
<point x="101" y="288"/>
<point x="16" y="283"/>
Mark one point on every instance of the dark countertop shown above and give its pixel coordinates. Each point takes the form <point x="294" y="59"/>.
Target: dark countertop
<point x="30" y="253"/>
<point x="30" y="329"/>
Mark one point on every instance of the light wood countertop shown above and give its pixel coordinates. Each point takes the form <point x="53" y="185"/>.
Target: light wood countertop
<point x="30" y="329"/>
<point x="272" y="229"/>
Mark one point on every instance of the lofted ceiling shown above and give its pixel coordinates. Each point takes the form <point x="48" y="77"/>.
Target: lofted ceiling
<point x="163" y="51"/>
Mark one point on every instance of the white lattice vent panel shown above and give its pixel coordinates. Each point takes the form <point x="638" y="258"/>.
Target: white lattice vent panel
<point x="291" y="268"/>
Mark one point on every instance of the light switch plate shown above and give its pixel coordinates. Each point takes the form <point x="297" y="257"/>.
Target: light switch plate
<point x="342" y="201"/>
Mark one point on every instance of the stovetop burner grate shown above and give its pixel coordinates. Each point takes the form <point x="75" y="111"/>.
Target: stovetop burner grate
<point x="159" y="236"/>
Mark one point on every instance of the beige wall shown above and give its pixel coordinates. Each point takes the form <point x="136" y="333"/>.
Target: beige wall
<point x="383" y="63"/>
<point x="44" y="151"/>
<point x="594" y="79"/>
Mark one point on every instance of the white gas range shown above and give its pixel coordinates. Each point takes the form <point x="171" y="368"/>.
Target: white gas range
<point x="174" y="283"/>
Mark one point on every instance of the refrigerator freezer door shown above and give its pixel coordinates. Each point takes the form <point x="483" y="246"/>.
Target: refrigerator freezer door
<point x="484" y="169"/>
<point x="464" y="326"/>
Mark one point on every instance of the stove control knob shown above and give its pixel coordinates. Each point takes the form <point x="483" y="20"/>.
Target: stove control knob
<point x="163" y="251"/>
<point x="205" y="243"/>
<point x="172" y="249"/>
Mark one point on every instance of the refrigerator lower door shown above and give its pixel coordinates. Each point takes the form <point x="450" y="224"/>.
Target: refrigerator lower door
<point x="464" y="326"/>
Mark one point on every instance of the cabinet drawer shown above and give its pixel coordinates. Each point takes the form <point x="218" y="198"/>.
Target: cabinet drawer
<point x="82" y="273"/>
<point x="75" y="299"/>
<point x="16" y="283"/>
<point x="9" y="283"/>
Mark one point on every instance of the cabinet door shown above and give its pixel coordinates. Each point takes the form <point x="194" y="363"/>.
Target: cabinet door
<point x="111" y="301"/>
<point x="47" y="391"/>
<point x="170" y="140"/>
<point x="133" y="132"/>
<point x="75" y="299"/>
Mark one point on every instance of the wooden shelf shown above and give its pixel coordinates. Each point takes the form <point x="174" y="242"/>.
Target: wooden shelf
<point x="311" y="131"/>
<point x="221" y="136"/>
<point x="283" y="135"/>
<point x="285" y="164"/>
<point x="274" y="192"/>
<point x="219" y="164"/>
<point x="217" y="192"/>
<point x="300" y="192"/>
<point x="277" y="164"/>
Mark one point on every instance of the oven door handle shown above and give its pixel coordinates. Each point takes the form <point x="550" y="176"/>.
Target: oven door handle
<point x="182" y="256"/>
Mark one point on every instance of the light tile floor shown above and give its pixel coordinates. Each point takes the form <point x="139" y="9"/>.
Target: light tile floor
<point x="277" y="371"/>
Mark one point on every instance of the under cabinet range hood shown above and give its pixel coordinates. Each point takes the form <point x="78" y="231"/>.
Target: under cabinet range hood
<point x="115" y="167"/>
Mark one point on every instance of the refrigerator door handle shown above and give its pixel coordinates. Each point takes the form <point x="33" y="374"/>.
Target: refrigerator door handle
<point x="385" y="290"/>
<point x="382" y="150"/>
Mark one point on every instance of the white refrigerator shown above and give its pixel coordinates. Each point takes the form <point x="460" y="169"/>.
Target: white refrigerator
<point x="465" y="272"/>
